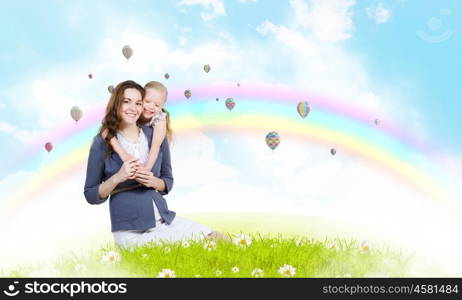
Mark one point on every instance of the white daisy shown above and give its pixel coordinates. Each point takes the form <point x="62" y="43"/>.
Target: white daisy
<point x="110" y="257"/>
<point x="166" y="273"/>
<point x="257" y="273"/>
<point x="210" y="245"/>
<point x="167" y="250"/>
<point x="197" y="276"/>
<point x="365" y="246"/>
<point x="144" y="255"/>
<point x="243" y="240"/>
<point x="298" y="242"/>
<point x="218" y="272"/>
<point x="235" y="269"/>
<point x="185" y="244"/>
<point x="287" y="270"/>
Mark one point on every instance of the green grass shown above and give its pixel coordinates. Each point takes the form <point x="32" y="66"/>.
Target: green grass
<point x="310" y="257"/>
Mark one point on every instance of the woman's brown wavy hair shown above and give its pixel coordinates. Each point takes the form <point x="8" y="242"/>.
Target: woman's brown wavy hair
<point x="112" y="119"/>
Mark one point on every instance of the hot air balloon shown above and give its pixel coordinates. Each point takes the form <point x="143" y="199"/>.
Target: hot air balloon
<point x="230" y="103"/>
<point x="127" y="51"/>
<point x="187" y="94"/>
<point x="333" y="151"/>
<point x="48" y="146"/>
<point x="110" y="89"/>
<point x="167" y="76"/>
<point x="207" y="68"/>
<point x="238" y="84"/>
<point x="272" y="140"/>
<point x="216" y="99"/>
<point x="90" y="76"/>
<point x="303" y="108"/>
<point x="377" y="122"/>
<point x="76" y="113"/>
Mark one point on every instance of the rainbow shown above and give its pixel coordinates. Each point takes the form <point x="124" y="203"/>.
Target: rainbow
<point x="259" y="110"/>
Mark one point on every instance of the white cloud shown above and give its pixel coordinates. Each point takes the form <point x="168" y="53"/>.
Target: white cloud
<point x="378" y="13"/>
<point x="193" y="161"/>
<point x="6" y="127"/>
<point x="182" y="40"/>
<point x="303" y="178"/>
<point x="292" y="38"/>
<point x="328" y="69"/>
<point x="47" y="99"/>
<point x="215" y="8"/>
<point x="20" y="134"/>
<point x="246" y="1"/>
<point x="186" y="29"/>
<point x="327" y="21"/>
<point x="226" y="36"/>
<point x="51" y="222"/>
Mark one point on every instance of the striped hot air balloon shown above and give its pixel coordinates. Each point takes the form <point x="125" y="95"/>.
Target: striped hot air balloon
<point x="187" y="94"/>
<point x="127" y="51"/>
<point x="110" y="89"/>
<point x="272" y="140"/>
<point x="230" y="103"/>
<point x="207" y="68"/>
<point x="76" y="113"/>
<point x="303" y="109"/>
<point x="167" y="76"/>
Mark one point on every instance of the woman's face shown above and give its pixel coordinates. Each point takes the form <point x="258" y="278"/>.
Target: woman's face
<point x="153" y="102"/>
<point x="131" y="107"/>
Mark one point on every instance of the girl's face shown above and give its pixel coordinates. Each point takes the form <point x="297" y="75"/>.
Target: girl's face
<point x="131" y="107"/>
<point x="153" y="102"/>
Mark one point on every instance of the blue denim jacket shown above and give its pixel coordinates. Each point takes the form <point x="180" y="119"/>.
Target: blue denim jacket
<point x="132" y="209"/>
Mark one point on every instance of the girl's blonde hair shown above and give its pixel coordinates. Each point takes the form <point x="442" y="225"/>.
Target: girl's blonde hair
<point x="160" y="87"/>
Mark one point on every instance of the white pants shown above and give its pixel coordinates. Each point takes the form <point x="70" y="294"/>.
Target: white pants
<point x="179" y="229"/>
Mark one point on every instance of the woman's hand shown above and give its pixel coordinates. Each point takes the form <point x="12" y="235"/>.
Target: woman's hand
<point x="147" y="179"/>
<point x="128" y="170"/>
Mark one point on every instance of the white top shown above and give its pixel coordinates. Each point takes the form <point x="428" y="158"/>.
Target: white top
<point x="138" y="149"/>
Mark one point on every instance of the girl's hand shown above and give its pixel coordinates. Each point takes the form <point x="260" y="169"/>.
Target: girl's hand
<point x="128" y="170"/>
<point x="147" y="179"/>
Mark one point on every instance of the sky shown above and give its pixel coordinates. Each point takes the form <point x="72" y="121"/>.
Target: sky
<point x="396" y="59"/>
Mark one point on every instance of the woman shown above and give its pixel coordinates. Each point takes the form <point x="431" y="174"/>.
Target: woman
<point x="140" y="214"/>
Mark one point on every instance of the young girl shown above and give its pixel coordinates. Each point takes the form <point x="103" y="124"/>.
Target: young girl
<point x="154" y="114"/>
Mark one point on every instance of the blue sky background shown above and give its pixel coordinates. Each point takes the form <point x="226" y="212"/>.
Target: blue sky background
<point x="41" y="35"/>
